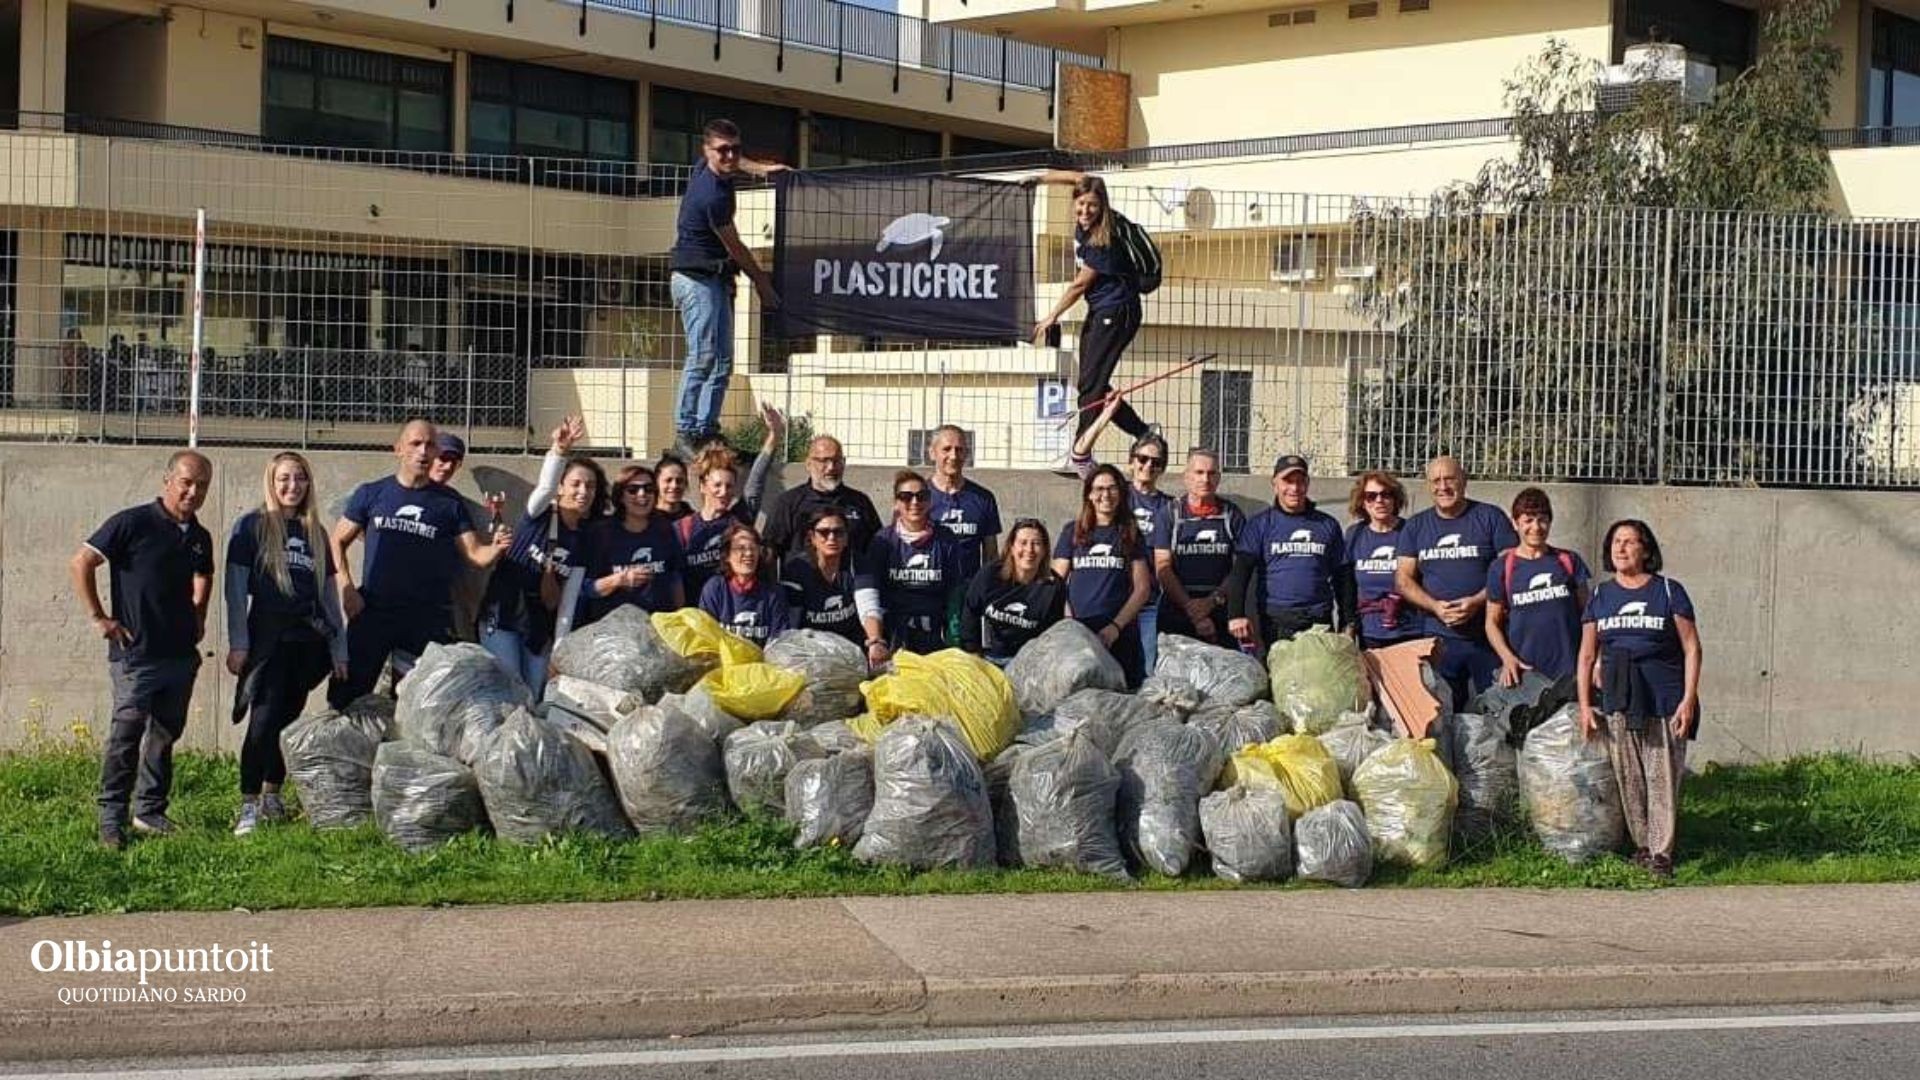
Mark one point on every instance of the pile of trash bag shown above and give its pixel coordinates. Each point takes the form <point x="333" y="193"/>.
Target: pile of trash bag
<point x="624" y="651"/>
<point x="666" y="769"/>
<point x="1064" y="794"/>
<point x="1571" y="792"/>
<point x="1237" y="727"/>
<point x="1248" y="834"/>
<point x="1165" y="769"/>
<point x="1006" y="823"/>
<point x="454" y="698"/>
<point x="1476" y="750"/>
<point x="1297" y="765"/>
<point x="1350" y="742"/>
<point x="1107" y="715"/>
<point x="758" y="758"/>
<point x="604" y="705"/>
<point x="1066" y="658"/>
<point x="536" y="782"/>
<point x="951" y="683"/>
<point x="698" y="705"/>
<point x="1330" y="844"/>
<point x="754" y="691"/>
<point x="1316" y="677"/>
<point x="833" y="668"/>
<point x="930" y="808"/>
<point x="330" y="757"/>
<point x="1190" y="674"/>
<point x="1408" y="797"/>
<point x="422" y="799"/>
<point x="699" y="637"/>
<point x="828" y="799"/>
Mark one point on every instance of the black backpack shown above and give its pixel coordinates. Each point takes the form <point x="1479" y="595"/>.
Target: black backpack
<point x="1142" y="255"/>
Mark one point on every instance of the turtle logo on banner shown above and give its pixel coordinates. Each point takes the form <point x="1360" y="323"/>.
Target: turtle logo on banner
<point x="927" y="258"/>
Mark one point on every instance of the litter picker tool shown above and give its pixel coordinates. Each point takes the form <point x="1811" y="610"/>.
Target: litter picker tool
<point x="1192" y="361"/>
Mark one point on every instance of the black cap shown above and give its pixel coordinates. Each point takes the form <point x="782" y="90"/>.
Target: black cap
<point x="1287" y="463"/>
<point x="449" y="443"/>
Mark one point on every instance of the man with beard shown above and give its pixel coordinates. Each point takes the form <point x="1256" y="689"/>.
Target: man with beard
<point x="788" y="517"/>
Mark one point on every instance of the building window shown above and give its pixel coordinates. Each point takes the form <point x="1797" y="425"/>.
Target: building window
<point x="1893" y="83"/>
<point x="1226" y="417"/>
<point x="770" y="133"/>
<point x="968" y="146"/>
<point x="1296" y="258"/>
<point x="324" y="95"/>
<point x="1713" y="32"/>
<point x="536" y="111"/>
<point x="836" y="140"/>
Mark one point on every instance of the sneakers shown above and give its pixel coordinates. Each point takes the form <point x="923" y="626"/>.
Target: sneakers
<point x="272" y="807"/>
<point x="113" y="837"/>
<point x="153" y="824"/>
<point x="250" y="814"/>
<point x="1660" y="866"/>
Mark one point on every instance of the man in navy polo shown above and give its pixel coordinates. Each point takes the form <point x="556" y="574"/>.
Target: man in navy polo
<point x="706" y="253"/>
<point x="1301" y="556"/>
<point x="962" y="509"/>
<point x="1443" y="556"/>
<point x="417" y="533"/>
<point x="160" y="563"/>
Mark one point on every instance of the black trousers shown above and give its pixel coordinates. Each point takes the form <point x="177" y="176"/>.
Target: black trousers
<point x="1126" y="648"/>
<point x="150" y="699"/>
<point x="374" y="636"/>
<point x="1103" y="338"/>
<point x="279" y="692"/>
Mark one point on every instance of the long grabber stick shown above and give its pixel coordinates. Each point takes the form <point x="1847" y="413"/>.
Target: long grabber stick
<point x="1192" y="361"/>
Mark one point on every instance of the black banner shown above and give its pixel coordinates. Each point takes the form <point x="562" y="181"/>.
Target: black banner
<point x="925" y="258"/>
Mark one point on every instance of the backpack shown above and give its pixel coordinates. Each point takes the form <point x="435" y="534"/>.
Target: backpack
<point x="1142" y="254"/>
<point x="1506" y="575"/>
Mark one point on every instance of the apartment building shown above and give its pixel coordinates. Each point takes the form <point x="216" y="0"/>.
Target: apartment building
<point x="457" y="207"/>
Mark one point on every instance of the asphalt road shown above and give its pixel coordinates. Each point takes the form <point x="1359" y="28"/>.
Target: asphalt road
<point x="1859" y="1043"/>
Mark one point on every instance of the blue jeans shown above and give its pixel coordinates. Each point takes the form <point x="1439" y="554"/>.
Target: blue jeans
<point x="510" y="650"/>
<point x="1149" y="623"/>
<point x="706" y="315"/>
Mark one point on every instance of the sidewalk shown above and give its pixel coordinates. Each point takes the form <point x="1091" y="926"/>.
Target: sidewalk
<point x="398" y="977"/>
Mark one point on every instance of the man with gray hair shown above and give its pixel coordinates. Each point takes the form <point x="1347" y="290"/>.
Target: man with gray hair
<point x="788" y="518"/>
<point x="1443" y="556"/>
<point x="964" y="510"/>
<point x="160" y="564"/>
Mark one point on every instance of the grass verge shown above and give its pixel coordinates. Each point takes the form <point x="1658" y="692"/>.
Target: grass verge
<point x="1811" y="820"/>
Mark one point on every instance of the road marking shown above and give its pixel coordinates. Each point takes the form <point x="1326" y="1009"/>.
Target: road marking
<point x="988" y="1044"/>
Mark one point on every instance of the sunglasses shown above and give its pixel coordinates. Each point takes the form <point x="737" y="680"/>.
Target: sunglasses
<point x="639" y="489"/>
<point x="912" y="496"/>
<point x="1376" y="496"/>
<point x="830" y="534"/>
<point x="726" y="149"/>
<point x="454" y="458"/>
<point x="1151" y="461"/>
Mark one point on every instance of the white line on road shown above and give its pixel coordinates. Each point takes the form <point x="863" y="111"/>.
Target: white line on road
<point x="987" y="1044"/>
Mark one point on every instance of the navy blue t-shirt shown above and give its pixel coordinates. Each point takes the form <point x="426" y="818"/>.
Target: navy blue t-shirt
<point x="1114" y="287"/>
<point x="1147" y="506"/>
<point x="1299" y="556"/>
<point x="1376" y="557"/>
<point x="970" y="516"/>
<point x="1099" y="573"/>
<point x="703" y="544"/>
<point x="513" y="593"/>
<point x="915" y="580"/>
<point x="756" y="614"/>
<point x="1201" y="544"/>
<point x="306" y="562"/>
<point x="706" y="207"/>
<point x="1543" y="614"/>
<point x="1639" y="623"/>
<point x="1454" y="554"/>
<point x="820" y="604"/>
<point x="413" y="551"/>
<point x="612" y="548"/>
<point x="151" y="563"/>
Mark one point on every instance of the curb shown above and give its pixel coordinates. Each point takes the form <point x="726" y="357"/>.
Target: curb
<point x="55" y="1034"/>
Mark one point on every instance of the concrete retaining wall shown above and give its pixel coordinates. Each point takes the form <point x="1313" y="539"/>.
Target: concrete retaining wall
<point x="1809" y="640"/>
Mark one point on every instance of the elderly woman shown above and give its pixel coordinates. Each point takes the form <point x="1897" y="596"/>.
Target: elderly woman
<point x="1640" y="628"/>
<point x="741" y="597"/>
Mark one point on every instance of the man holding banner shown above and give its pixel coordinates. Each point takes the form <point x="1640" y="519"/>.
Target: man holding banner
<point x="706" y="252"/>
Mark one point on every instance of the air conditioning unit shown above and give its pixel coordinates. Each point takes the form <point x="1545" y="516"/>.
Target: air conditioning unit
<point x="1655" y="65"/>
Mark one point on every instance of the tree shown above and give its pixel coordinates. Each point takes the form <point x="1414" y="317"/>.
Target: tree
<point x="1650" y="293"/>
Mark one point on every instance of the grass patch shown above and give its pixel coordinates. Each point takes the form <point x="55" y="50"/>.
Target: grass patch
<point x="1810" y="820"/>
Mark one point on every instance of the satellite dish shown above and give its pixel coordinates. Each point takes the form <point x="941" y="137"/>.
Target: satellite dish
<point x="1196" y="210"/>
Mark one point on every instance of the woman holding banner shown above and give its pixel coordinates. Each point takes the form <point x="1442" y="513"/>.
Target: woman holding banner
<point x="1110" y="283"/>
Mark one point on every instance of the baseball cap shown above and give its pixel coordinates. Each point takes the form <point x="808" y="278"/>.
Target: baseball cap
<point x="1287" y="463"/>
<point x="452" y="444"/>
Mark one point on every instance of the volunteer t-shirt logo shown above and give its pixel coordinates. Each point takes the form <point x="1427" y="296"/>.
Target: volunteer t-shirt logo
<point x="1298" y="544"/>
<point x="1099" y="557"/>
<point x="833" y="602"/>
<point x="1014" y="614"/>
<point x="1381" y="561"/>
<point x="1449" y="547"/>
<point x="407" y="520"/>
<point x="642" y="558"/>
<point x="1633" y="616"/>
<point x="917" y="570"/>
<point x="954" y="520"/>
<point x="297" y="554"/>
<point x="1541" y="588"/>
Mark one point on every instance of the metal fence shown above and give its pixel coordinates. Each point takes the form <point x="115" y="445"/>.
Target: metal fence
<point x="345" y="292"/>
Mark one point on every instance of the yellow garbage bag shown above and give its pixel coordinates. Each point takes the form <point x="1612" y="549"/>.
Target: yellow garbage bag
<point x="695" y="634"/>
<point x="1298" y="765"/>
<point x="951" y="683"/>
<point x="1409" y="798"/>
<point x="753" y="691"/>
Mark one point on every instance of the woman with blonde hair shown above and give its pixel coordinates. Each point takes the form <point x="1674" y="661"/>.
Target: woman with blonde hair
<point x="285" y="632"/>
